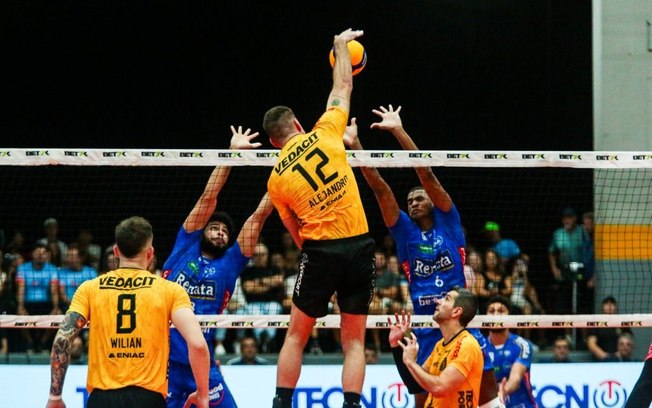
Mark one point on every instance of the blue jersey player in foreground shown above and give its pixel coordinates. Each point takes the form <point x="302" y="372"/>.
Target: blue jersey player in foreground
<point x="206" y="261"/>
<point x="429" y="241"/>
<point x="512" y="357"/>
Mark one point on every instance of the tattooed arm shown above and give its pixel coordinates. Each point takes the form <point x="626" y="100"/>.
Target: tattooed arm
<point x="72" y="324"/>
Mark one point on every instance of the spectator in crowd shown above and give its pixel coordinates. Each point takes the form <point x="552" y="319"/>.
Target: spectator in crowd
<point x="5" y="296"/>
<point x="226" y="338"/>
<point x="72" y="274"/>
<point x="603" y="342"/>
<point x="524" y="298"/>
<point x="512" y="358"/>
<point x="586" y="285"/>
<point x="624" y="349"/>
<point x="17" y="247"/>
<point x="38" y="294"/>
<point x="493" y="281"/>
<point x="475" y="268"/>
<point x="155" y="267"/>
<point x="109" y="261"/>
<point x="560" y="351"/>
<point x="248" y="353"/>
<point x="371" y="355"/>
<point x="505" y="248"/>
<point x="389" y="245"/>
<point x="264" y="290"/>
<point x="566" y="257"/>
<point x="8" y="293"/>
<point x="89" y="250"/>
<point x="404" y="301"/>
<point x="57" y="247"/>
<point x="290" y="252"/>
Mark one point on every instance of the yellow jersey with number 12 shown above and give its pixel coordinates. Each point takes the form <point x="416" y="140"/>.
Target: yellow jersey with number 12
<point x="313" y="181"/>
<point x="129" y="312"/>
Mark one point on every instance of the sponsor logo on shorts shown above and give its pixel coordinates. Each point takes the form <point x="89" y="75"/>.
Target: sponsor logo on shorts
<point x="216" y="395"/>
<point x="302" y="268"/>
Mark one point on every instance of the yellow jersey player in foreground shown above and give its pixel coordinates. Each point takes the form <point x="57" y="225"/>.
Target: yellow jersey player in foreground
<point x="314" y="190"/>
<point x="453" y="372"/>
<point x="129" y="310"/>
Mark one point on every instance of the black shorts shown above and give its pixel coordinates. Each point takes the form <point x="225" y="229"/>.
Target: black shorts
<point x="345" y="266"/>
<point x="126" y="397"/>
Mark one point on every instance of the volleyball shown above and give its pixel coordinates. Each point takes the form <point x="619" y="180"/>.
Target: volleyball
<point x="358" y="56"/>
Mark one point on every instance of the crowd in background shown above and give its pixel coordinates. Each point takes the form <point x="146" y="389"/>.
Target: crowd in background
<point x="40" y="278"/>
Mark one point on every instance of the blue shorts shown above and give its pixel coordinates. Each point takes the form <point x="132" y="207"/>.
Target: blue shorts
<point x="428" y="338"/>
<point x="181" y="383"/>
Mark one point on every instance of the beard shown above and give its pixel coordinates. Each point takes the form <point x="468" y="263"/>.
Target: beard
<point x="214" y="251"/>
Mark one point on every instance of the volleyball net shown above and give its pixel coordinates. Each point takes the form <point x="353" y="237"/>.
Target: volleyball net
<point x="521" y="196"/>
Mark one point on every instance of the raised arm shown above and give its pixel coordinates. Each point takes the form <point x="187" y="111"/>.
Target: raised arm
<point x="342" y="72"/>
<point x="384" y="195"/>
<point x="72" y="324"/>
<point x="205" y="206"/>
<point x="250" y="231"/>
<point x="391" y="121"/>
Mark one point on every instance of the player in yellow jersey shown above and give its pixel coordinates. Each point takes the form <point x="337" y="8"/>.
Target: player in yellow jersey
<point x="129" y="310"/>
<point x="453" y="372"/>
<point x="315" y="192"/>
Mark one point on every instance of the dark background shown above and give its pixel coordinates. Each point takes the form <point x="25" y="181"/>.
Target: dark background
<point x="470" y="75"/>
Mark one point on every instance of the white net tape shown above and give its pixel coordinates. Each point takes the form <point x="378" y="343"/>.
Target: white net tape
<point x="376" y="158"/>
<point x="379" y="321"/>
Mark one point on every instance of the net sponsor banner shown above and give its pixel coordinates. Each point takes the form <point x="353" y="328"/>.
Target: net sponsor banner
<point x="379" y="158"/>
<point x="585" y="385"/>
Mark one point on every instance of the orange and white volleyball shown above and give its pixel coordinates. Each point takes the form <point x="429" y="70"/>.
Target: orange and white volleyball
<point x="358" y="56"/>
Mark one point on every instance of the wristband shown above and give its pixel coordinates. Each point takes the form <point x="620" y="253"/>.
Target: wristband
<point x="54" y="397"/>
